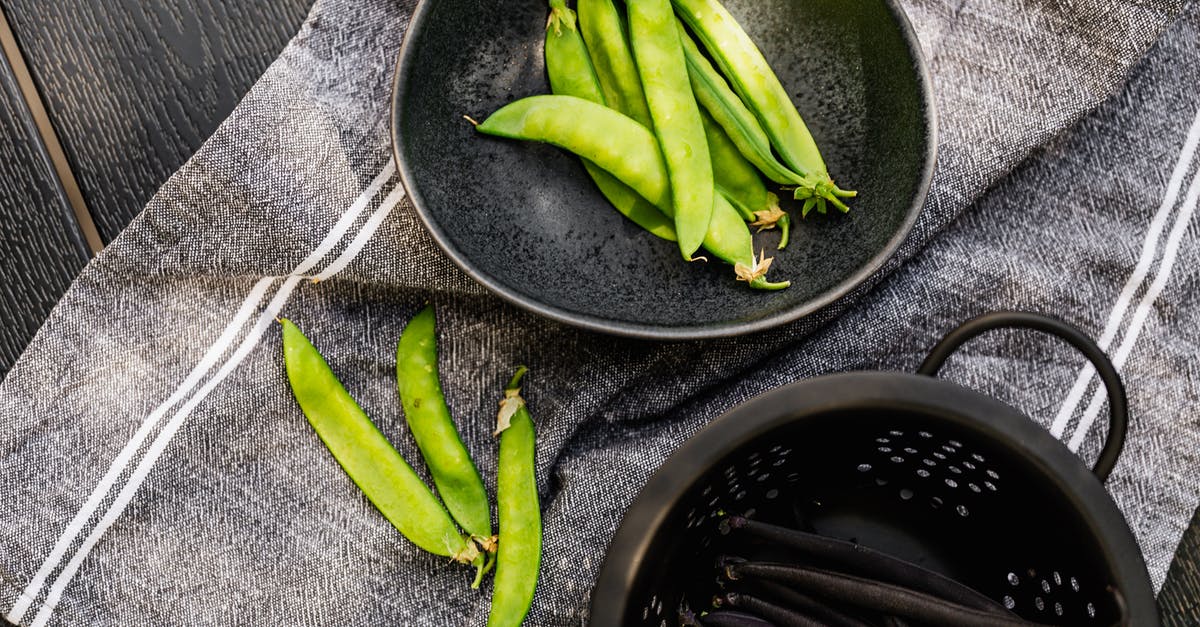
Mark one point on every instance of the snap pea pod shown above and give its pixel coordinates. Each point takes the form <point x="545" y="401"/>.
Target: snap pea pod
<point x="628" y="151"/>
<point x="756" y="83"/>
<point x="367" y="456"/>
<point x="608" y="45"/>
<point x="428" y="417"/>
<point x="715" y="96"/>
<point x="518" y="510"/>
<point x="742" y="128"/>
<point x="676" y="116"/>
<point x="739" y="182"/>
<point x="571" y="74"/>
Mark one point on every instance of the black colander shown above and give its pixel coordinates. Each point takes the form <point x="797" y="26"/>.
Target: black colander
<point x="909" y="465"/>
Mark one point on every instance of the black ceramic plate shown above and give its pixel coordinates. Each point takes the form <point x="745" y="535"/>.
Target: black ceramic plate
<point x="524" y="220"/>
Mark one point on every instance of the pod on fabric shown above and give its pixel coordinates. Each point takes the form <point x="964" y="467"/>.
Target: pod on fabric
<point x="570" y="71"/>
<point x="519" y="511"/>
<point x="366" y="455"/>
<point x="454" y="473"/>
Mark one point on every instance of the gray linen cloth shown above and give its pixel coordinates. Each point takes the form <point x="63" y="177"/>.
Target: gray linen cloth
<point x="155" y="469"/>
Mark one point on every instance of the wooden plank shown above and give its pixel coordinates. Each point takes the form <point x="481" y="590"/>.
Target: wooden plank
<point x="134" y="88"/>
<point x="132" y="91"/>
<point x="41" y="249"/>
<point x="47" y="136"/>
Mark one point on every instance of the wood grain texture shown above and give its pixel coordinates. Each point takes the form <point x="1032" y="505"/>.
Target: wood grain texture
<point x="135" y="87"/>
<point x="40" y="248"/>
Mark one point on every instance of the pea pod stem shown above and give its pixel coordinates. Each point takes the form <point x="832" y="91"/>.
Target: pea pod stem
<point x="365" y="454"/>
<point x="571" y="74"/>
<point x="676" y="117"/>
<point x="518" y="558"/>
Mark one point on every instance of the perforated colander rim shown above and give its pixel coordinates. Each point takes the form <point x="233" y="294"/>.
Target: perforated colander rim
<point x="1007" y="428"/>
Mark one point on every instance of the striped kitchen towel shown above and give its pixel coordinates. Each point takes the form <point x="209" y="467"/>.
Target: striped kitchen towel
<point x="154" y="468"/>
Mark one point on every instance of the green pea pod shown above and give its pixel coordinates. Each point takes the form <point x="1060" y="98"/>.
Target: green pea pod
<point x="520" y="547"/>
<point x="608" y="45"/>
<point x="756" y="83"/>
<point x="366" y="455"/>
<point x="613" y="141"/>
<point x="571" y="74"/>
<point x="428" y="417"/>
<point x="715" y="96"/>
<point x="628" y="151"/>
<point x="676" y="116"/>
<point x="739" y="183"/>
<point x="743" y="129"/>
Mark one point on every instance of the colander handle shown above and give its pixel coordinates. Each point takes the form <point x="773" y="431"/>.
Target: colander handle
<point x="1117" y="401"/>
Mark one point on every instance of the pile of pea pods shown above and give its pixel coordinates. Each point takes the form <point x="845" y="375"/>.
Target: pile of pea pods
<point x="674" y="143"/>
<point x="392" y="485"/>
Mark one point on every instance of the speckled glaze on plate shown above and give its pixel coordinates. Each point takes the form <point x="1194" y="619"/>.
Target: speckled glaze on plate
<point x="525" y="221"/>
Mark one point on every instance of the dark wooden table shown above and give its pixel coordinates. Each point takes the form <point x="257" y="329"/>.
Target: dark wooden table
<point x="100" y="101"/>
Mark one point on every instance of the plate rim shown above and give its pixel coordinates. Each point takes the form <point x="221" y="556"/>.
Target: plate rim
<point x="706" y="331"/>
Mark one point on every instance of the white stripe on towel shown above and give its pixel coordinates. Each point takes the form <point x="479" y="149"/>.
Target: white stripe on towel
<point x="1138" y="322"/>
<point x="164" y="437"/>
<point x="1140" y="272"/>
<point x="218" y="348"/>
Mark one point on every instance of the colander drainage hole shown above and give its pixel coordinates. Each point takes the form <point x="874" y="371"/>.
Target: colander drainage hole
<point x="864" y="468"/>
<point x="1009" y="602"/>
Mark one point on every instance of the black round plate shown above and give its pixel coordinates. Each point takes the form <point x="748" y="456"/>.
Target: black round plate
<point x="524" y="220"/>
